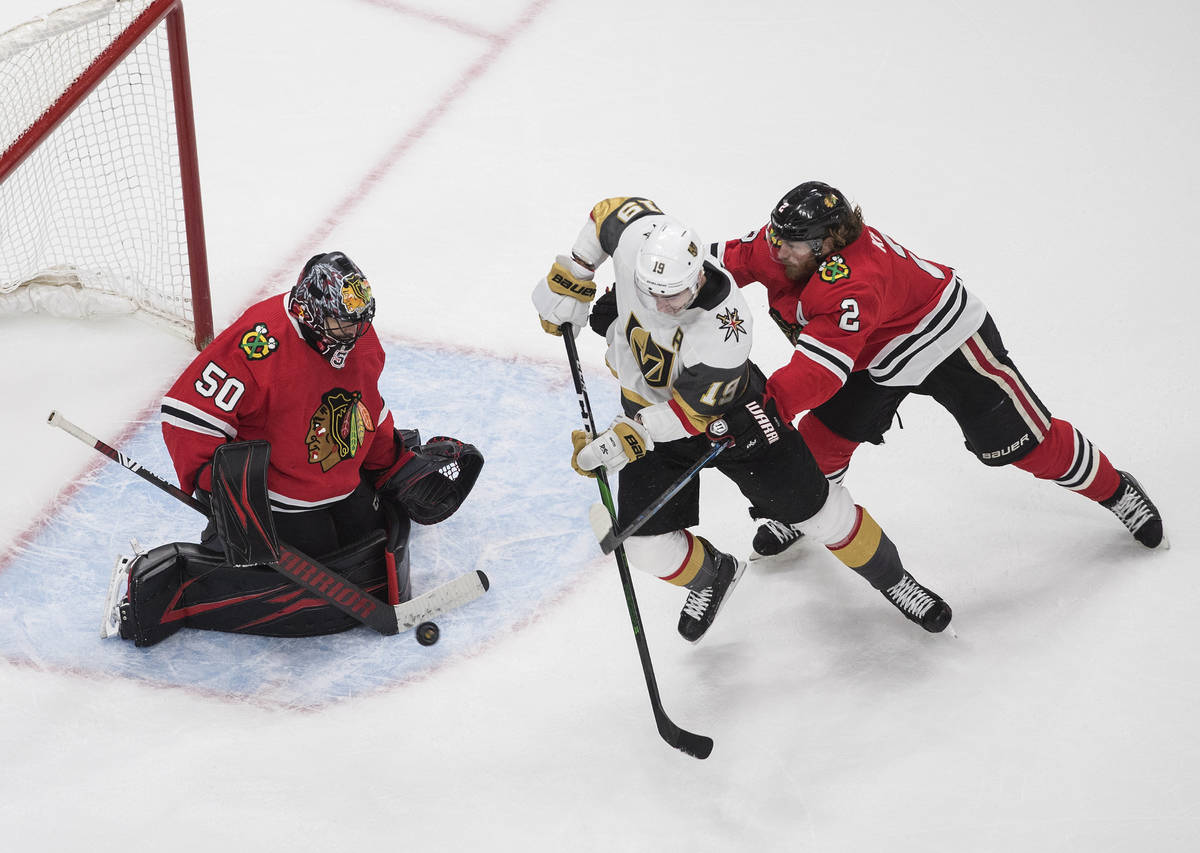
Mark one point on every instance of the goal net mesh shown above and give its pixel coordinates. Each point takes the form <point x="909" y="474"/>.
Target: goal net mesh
<point x="92" y="220"/>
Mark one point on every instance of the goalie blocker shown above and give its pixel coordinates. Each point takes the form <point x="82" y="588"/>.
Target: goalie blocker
<point x="231" y="586"/>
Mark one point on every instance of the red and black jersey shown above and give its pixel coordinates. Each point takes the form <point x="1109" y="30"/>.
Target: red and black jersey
<point x="260" y="380"/>
<point x="872" y="306"/>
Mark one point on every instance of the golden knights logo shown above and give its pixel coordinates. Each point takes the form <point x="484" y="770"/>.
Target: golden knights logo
<point x="257" y="343"/>
<point x="653" y="360"/>
<point x="732" y="325"/>
<point x="338" y="428"/>
<point x="834" y="269"/>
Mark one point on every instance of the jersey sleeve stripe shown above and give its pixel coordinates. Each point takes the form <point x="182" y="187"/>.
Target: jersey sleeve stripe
<point x="180" y="414"/>
<point x="282" y="503"/>
<point x="836" y="362"/>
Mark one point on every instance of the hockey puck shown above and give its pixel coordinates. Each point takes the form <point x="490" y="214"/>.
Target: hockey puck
<point x="428" y="633"/>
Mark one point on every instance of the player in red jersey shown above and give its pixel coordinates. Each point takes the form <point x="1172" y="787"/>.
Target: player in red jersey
<point x="871" y="323"/>
<point x="290" y="393"/>
<point x="301" y="370"/>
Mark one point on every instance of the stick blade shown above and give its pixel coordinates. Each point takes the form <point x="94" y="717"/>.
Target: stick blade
<point x="690" y="743"/>
<point x="602" y="525"/>
<point x="442" y="599"/>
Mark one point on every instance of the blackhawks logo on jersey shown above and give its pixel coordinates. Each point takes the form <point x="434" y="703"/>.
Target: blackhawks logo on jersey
<point x="732" y="325"/>
<point x="338" y="428"/>
<point x="834" y="269"/>
<point x="257" y="343"/>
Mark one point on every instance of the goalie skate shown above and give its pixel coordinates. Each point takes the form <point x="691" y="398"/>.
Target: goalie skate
<point x="118" y="585"/>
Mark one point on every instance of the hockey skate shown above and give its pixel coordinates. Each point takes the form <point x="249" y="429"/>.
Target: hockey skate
<point x="1137" y="512"/>
<point x="702" y="605"/>
<point x="118" y="586"/>
<point x="773" y="537"/>
<point x="919" y="604"/>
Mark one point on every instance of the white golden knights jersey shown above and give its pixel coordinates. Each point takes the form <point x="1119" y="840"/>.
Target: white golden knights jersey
<point x="678" y="371"/>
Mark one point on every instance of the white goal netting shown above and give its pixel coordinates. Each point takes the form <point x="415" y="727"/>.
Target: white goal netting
<point x="92" y="220"/>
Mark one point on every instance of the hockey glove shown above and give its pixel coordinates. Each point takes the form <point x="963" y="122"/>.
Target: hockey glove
<point x="604" y="312"/>
<point x="624" y="442"/>
<point x="563" y="295"/>
<point x="754" y="426"/>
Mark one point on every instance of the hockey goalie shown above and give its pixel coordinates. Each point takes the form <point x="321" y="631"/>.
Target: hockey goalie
<point x="279" y="428"/>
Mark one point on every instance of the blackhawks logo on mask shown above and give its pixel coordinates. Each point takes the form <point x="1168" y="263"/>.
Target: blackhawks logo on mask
<point x="257" y="343"/>
<point x="356" y="294"/>
<point x="338" y="428"/>
<point x="834" y="269"/>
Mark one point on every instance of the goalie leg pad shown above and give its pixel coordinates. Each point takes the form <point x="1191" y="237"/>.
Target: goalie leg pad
<point x="182" y="584"/>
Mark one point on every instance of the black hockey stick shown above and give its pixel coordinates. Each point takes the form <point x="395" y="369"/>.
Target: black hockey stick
<point x="602" y="521"/>
<point x="689" y="742"/>
<point x="307" y="572"/>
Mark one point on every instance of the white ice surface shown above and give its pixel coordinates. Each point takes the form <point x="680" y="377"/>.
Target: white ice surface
<point x="1047" y="150"/>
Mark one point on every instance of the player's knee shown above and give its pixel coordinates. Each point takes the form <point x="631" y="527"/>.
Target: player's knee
<point x="835" y="520"/>
<point x="1052" y="456"/>
<point x="831" y="450"/>
<point x="1000" y="437"/>
<point x="676" y="557"/>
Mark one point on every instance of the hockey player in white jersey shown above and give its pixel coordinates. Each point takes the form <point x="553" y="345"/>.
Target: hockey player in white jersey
<point x="679" y="337"/>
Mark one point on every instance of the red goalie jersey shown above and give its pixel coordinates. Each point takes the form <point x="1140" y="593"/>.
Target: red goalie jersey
<point x="261" y="380"/>
<point x="871" y="306"/>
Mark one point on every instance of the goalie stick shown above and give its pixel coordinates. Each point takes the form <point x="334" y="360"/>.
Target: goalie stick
<point x="310" y="574"/>
<point x="691" y="743"/>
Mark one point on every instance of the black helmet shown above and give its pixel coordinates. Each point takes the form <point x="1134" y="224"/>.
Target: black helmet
<point x="808" y="213"/>
<point x="333" y="304"/>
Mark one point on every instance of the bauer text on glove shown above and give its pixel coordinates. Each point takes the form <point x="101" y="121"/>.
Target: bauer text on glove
<point x="564" y="294"/>
<point x="624" y="442"/>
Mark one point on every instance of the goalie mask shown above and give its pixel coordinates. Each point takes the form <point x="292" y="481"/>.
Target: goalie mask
<point x="432" y="485"/>
<point x="333" y="305"/>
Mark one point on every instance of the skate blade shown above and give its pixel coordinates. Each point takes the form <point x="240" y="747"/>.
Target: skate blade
<point x="110" y="624"/>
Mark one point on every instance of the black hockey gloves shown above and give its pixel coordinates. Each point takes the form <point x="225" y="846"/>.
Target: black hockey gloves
<point x="432" y="483"/>
<point x="604" y="312"/>
<point x="754" y="426"/>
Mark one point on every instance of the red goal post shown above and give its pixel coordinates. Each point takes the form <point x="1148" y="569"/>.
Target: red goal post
<point x="99" y="187"/>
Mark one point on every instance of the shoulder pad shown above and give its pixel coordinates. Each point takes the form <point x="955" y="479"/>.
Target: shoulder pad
<point x="613" y="215"/>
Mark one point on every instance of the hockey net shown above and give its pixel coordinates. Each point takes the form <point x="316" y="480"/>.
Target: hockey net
<point x="99" y="192"/>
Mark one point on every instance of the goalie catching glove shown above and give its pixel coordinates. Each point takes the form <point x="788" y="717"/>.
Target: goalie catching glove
<point x="432" y="483"/>
<point x="564" y="294"/>
<point x="623" y="442"/>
